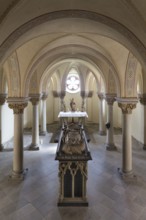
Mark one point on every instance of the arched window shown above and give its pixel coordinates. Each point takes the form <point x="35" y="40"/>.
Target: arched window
<point x="73" y="81"/>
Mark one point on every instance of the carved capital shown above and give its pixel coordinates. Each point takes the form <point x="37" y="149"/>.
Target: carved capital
<point x="17" y="104"/>
<point x="100" y="96"/>
<point x="142" y="98"/>
<point x="127" y="107"/>
<point x="17" y="107"/>
<point x="2" y="98"/>
<point x="34" y="101"/>
<point x="86" y="94"/>
<point x="35" y="98"/>
<point x="110" y="98"/>
<point x="44" y="96"/>
<point x="127" y="104"/>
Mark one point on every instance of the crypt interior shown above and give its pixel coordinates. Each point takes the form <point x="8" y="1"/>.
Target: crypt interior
<point x="92" y="52"/>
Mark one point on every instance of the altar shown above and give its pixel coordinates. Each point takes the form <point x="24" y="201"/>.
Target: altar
<point x="65" y="116"/>
<point x="72" y="154"/>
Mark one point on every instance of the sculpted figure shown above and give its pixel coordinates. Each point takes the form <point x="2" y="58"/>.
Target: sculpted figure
<point x="73" y="105"/>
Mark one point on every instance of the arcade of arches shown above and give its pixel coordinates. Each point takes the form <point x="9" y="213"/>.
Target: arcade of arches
<point x="102" y="42"/>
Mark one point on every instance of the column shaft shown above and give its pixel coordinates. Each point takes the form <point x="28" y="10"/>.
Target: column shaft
<point x="35" y="124"/>
<point x="18" y="106"/>
<point x="35" y="129"/>
<point x="101" y="117"/>
<point x="18" y="145"/>
<point x="110" y="131"/>
<point x="44" y="117"/>
<point x="2" y="101"/>
<point x="127" y="105"/>
<point x="126" y="145"/>
<point x="1" y="144"/>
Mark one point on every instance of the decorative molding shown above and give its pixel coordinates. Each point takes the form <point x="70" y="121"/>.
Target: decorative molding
<point x="142" y="98"/>
<point x="126" y="107"/>
<point x="17" y="108"/>
<point x="17" y="104"/>
<point x="101" y="96"/>
<point x="35" y="98"/>
<point x="110" y="98"/>
<point x="86" y="94"/>
<point x="125" y="32"/>
<point x="55" y="94"/>
<point x="127" y="104"/>
<point x="111" y="83"/>
<point x="44" y="96"/>
<point x="130" y="75"/>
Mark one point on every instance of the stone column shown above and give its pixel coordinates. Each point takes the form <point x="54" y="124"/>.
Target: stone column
<point x="43" y="115"/>
<point x="126" y="107"/>
<point x="2" y="101"/>
<point x="142" y="98"/>
<point x="101" y="116"/>
<point x="109" y="125"/>
<point x="18" y="106"/>
<point x="35" y="124"/>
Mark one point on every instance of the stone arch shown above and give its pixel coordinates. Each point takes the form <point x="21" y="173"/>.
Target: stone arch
<point x="53" y="66"/>
<point x="58" y="52"/>
<point x="118" y="31"/>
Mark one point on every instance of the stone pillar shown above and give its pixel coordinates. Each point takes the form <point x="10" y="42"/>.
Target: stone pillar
<point x="109" y="125"/>
<point x="101" y="115"/>
<point x="43" y="115"/>
<point x="126" y="107"/>
<point x="18" y="106"/>
<point x="142" y="98"/>
<point x="2" y="101"/>
<point x="35" y="124"/>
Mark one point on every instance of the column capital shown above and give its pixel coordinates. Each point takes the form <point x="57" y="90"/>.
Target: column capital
<point x="61" y="94"/>
<point x="17" y="104"/>
<point x="44" y="96"/>
<point x="110" y="98"/>
<point x="2" y="98"/>
<point x="127" y="104"/>
<point x="86" y="94"/>
<point x="142" y="98"/>
<point x="35" y="98"/>
<point x="101" y="96"/>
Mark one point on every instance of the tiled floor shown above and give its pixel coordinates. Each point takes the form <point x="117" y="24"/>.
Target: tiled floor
<point x="110" y="197"/>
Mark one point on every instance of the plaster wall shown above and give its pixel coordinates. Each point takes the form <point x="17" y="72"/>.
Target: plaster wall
<point x="50" y="108"/>
<point x="117" y="116"/>
<point x="137" y="123"/>
<point x="7" y="123"/>
<point x="28" y="116"/>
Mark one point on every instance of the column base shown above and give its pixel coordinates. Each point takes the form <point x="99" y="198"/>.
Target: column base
<point x="33" y="147"/>
<point x="127" y="175"/>
<point x="111" y="147"/>
<point x="18" y="176"/>
<point x="144" y="147"/>
<point x="1" y="147"/>
<point x="102" y="133"/>
<point x="42" y="133"/>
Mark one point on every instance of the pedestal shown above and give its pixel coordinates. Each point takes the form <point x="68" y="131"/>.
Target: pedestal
<point x="73" y="155"/>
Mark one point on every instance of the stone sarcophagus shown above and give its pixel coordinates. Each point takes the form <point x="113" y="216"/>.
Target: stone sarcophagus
<point x="73" y="155"/>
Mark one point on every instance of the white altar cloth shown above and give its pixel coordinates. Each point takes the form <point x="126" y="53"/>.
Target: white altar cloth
<point x="76" y="114"/>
